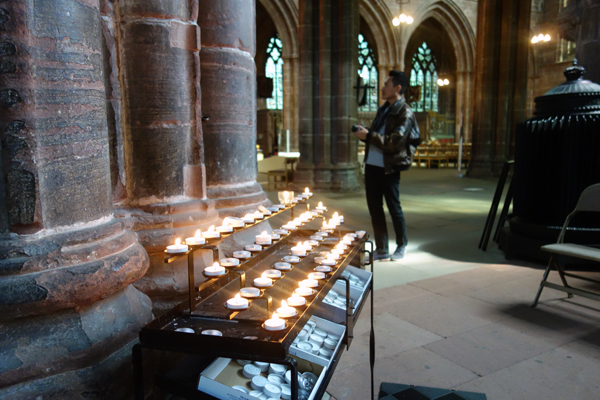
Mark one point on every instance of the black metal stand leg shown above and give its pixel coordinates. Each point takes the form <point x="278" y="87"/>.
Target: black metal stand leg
<point x="372" y="335"/>
<point x="489" y="223"/>
<point x="545" y="277"/>
<point x="504" y="213"/>
<point x="191" y="282"/>
<point x="138" y="372"/>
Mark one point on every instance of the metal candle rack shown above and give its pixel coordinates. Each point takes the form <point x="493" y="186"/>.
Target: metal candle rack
<point x="243" y="334"/>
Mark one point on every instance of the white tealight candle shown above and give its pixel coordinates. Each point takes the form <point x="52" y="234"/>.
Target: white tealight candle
<point x="341" y="246"/>
<point x="320" y="207"/>
<point x="224" y="228"/>
<point x="360" y="234"/>
<point x="229" y="262"/>
<point x="282" y="266"/>
<point x="289" y="226"/>
<point x="196" y="239"/>
<point x="177" y="247"/>
<point x="310" y="283"/>
<point x="318" y="238"/>
<point x="322" y="234"/>
<point x="328" y="261"/>
<point x="286" y="311"/>
<point x="303" y="290"/>
<point x="275" y="323"/>
<point x="307" y="246"/>
<point x="312" y="243"/>
<point x="323" y="268"/>
<point x="263" y="281"/>
<point x="211" y="233"/>
<point x="296" y="300"/>
<point x="316" y="275"/>
<point x="233" y="222"/>
<point x="299" y="250"/>
<point x="264" y="210"/>
<point x="242" y="254"/>
<point x="337" y="251"/>
<point x="253" y="247"/>
<point x="248" y="218"/>
<point x="263" y="238"/>
<point x="258" y="215"/>
<point x="250" y="292"/>
<point x="281" y="232"/>
<point x="306" y="193"/>
<point x="275" y="236"/>
<point x="333" y="256"/>
<point x="273" y="274"/>
<point x="214" y="270"/>
<point x="237" y="303"/>
<point x="291" y="259"/>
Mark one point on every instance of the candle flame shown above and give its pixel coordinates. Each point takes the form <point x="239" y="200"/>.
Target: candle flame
<point x="177" y="242"/>
<point x="301" y="284"/>
<point x="237" y="297"/>
<point x="264" y="275"/>
<point x="211" y="229"/>
<point x="306" y="191"/>
<point x="275" y="316"/>
<point x="299" y="244"/>
<point x="320" y="204"/>
<point x="198" y="234"/>
<point x="283" y="303"/>
<point x="335" y="215"/>
<point x="264" y="233"/>
<point x="216" y="264"/>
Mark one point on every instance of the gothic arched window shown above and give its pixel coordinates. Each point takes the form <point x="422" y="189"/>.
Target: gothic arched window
<point x="424" y="74"/>
<point x="367" y="69"/>
<point x="274" y="70"/>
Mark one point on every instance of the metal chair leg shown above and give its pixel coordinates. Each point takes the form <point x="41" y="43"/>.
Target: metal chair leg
<point x="561" y="273"/>
<point x="539" y="292"/>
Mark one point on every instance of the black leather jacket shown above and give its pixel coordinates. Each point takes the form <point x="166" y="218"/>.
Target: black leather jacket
<point x="400" y="140"/>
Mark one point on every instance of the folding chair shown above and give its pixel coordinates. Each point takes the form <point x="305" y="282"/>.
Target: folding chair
<point x="588" y="201"/>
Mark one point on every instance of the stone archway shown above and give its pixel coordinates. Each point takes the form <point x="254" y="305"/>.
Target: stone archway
<point x="378" y="16"/>
<point x="284" y="14"/>
<point x="456" y="24"/>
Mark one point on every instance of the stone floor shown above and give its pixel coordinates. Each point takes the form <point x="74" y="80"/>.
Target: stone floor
<point x="449" y="315"/>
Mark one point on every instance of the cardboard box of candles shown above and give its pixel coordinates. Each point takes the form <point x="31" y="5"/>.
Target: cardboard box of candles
<point x="318" y="341"/>
<point x="333" y="307"/>
<point x="244" y="380"/>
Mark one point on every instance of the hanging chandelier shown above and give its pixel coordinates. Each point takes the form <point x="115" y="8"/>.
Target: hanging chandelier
<point x="402" y="18"/>
<point x="540" y="38"/>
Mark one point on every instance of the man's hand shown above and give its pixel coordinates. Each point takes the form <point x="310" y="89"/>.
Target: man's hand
<point x="361" y="133"/>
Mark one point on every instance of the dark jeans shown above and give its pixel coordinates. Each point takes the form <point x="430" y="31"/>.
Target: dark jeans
<point x="378" y="186"/>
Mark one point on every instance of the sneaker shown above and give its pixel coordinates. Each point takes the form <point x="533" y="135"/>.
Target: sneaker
<point x="399" y="253"/>
<point x="381" y="257"/>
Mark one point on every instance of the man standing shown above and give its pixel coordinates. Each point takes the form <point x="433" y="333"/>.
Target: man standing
<point x="390" y="146"/>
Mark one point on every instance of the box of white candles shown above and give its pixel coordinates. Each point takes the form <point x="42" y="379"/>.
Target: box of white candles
<point x="230" y="379"/>
<point x="318" y="341"/>
<point x="333" y="306"/>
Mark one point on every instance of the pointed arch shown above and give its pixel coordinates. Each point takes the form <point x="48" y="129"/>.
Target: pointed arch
<point x="462" y="36"/>
<point x="379" y="18"/>
<point x="284" y="14"/>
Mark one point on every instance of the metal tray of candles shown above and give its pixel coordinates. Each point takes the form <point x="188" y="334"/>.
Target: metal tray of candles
<point x="243" y="334"/>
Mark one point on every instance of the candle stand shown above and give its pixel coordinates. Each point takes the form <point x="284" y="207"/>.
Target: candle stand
<point x="243" y="336"/>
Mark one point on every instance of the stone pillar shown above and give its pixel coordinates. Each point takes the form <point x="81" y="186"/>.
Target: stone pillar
<point x="290" y="104"/>
<point x="66" y="264"/>
<point x="500" y="82"/>
<point x="229" y="103"/>
<point x="328" y="65"/>
<point x="155" y="73"/>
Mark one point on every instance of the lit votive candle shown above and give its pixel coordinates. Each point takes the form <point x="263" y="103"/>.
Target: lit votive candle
<point x="341" y="246"/>
<point x="282" y="266"/>
<point x="237" y="303"/>
<point x="275" y="323"/>
<point x="333" y="256"/>
<point x="328" y="262"/>
<point x="275" y="236"/>
<point x="177" y="247"/>
<point x="248" y="219"/>
<point x="307" y="246"/>
<point x="360" y="234"/>
<point x="258" y="215"/>
<point x="296" y="300"/>
<point x="263" y="238"/>
<point x="299" y="250"/>
<point x="211" y="233"/>
<point x="214" y="270"/>
<point x="253" y="247"/>
<point x="229" y="262"/>
<point x="312" y="243"/>
<point x="306" y="193"/>
<point x="337" y="251"/>
<point x="286" y="311"/>
<point x="291" y="259"/>
<point x="316" y="275"/>
<point x="281" y="232"/>
<point x="320" y="207"/>
<point x="303" y="290"/>
<point x="310" y="283"/>
<point x="263" y="281"/>
<point x="289" y="226"/>
<point x="273" y="274"/>
<point x="196" y="239"/>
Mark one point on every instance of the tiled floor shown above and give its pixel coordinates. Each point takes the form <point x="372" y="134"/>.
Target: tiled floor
<point x="449" y="315"/>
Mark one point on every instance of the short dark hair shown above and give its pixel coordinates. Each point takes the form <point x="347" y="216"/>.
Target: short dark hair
<point x="399" y="78"/>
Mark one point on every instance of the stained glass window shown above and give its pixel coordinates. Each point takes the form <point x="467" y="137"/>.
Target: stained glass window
<point x="367" y="69"/>
<point x="274" y="70"/>
<point x="424" y="74"/>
